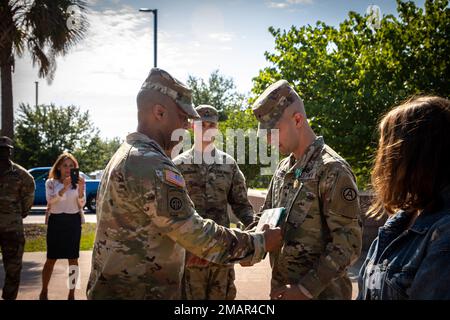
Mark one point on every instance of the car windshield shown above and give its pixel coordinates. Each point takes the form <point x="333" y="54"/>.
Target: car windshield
<point x="85" y="176"/>
<point x="43" y="174"/>
<point x="39" y="174"/>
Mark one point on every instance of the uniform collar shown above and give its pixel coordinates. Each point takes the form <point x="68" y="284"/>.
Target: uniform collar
<point x="193" y="150"/>
<point x="140" y="137"/>
<point x="215" y="153"/>
<point x="310" y="153"/>
<point x="10" y="169"/>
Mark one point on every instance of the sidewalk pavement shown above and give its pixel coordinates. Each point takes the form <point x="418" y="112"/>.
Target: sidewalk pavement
<point x="252" y="283"/>
<point x="38" y="218"/>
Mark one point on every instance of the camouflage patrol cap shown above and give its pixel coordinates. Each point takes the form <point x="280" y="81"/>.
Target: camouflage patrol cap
<point x="270" y="105"/>
<point x="6" y="142"/>
<point x="208" y="113"/>
<point x="161" y="81"/>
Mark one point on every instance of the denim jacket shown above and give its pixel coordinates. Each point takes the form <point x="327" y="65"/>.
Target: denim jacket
<point x="409" y="263"/>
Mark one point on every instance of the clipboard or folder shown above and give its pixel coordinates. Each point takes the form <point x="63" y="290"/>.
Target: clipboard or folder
<point x="273" y="217"/>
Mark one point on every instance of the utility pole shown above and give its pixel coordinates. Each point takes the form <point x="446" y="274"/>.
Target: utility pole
<point x="37" y="92"/>
<point x="155" y="31"/>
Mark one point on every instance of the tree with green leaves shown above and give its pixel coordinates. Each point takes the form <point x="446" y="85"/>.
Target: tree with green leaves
<point x="218" y="91"/>
<point x="96" y="154"/>
<point x="349" y="76"/>
<point x="234" y="113"/>
<point x="245" y="120"/>
<point x="45" y="131"/>
<point x="45" y="29"/>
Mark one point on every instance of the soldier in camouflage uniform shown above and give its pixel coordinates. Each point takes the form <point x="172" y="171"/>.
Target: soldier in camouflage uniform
<point x="321" y="232"/>
<point x="16" y="199"/>
<point x="145" y="218"/>
<point x="212" y="185"/>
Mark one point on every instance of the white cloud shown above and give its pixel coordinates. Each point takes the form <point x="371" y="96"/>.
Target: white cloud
<point x="287" y="3"/>
<point x="104" y="72"/>
<point x="222" y="37"/>
<point x="207" y="18"/>
<point x="278" y="5"/>
<point x="91" y="2"/>
<point x="300" y="1"/>
<point x="101" y="74"/>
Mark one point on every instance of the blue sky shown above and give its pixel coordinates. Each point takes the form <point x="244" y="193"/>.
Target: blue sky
<point x="105" y="71"/>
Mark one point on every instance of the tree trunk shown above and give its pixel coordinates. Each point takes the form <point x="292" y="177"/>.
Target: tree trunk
<point x="7" y="34"/>
<point x="7" y="100"/>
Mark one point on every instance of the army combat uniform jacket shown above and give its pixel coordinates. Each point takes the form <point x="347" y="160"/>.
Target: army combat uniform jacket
<point x="146" y="220"/>
<point x="16" y="198"/>
<point x="321" y="233"/>
<point x="212" y="186"/>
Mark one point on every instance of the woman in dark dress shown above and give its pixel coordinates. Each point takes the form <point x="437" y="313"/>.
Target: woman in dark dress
<point x="65" y="202"/>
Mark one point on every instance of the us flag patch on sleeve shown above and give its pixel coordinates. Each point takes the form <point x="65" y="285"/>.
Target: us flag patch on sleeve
<point x="174" y="178"/>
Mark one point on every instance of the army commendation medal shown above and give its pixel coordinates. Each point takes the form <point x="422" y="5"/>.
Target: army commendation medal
<point x="298" y="173"/>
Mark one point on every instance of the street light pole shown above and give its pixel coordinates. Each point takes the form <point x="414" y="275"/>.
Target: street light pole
<point x="155" y="37"/>
<point x="37" y="90"/>
<point x="155" y="31"/>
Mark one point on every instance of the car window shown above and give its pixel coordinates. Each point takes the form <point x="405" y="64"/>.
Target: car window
<point x="85" y="176"/>
<point x="39" y="174"/>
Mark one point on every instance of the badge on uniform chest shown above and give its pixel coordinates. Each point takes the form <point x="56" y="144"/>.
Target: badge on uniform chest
<point x="298" y="173"/>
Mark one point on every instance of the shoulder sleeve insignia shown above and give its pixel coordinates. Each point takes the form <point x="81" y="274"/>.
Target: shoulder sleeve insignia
<point x="174" y="178"/>
<point x="349" y="194"/>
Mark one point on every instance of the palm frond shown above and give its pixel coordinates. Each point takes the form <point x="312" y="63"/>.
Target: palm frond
<point x="12" y="37"/>
<point x="42" y="27"/>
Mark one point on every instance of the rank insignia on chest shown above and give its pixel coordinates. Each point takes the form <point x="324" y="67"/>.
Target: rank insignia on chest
<point x="174" y="178"/>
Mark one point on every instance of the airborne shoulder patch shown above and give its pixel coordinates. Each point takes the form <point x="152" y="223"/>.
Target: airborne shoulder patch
<point x="174" y="178"/>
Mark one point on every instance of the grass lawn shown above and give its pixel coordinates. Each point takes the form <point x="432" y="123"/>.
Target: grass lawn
<point x="35" y="237"/>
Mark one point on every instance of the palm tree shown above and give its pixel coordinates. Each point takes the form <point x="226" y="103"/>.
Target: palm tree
<point x="46" y="29"/>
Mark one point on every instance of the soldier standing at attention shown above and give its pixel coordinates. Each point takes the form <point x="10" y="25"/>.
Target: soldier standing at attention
<point x="16" y="199"/>
<point x="321" y="232"/>
<point x="145" y="218"/>
<point x="212" y="184"/>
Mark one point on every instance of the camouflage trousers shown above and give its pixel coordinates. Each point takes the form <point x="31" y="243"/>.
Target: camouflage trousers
<point x="339" y="289"/>
<point x="12" y="245"/>
<point x="211" y="282"/>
